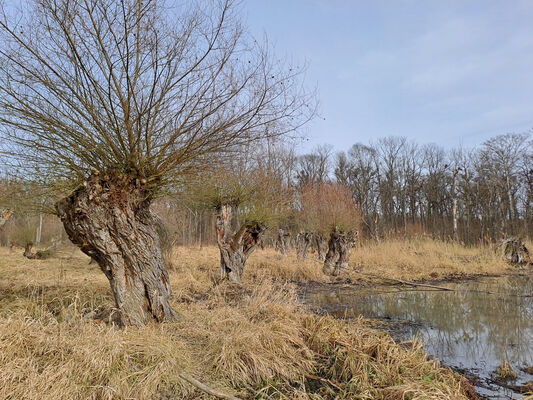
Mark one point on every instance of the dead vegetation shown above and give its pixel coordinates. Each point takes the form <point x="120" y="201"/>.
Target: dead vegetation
<point x="250" y="341"/>
<point x="505" y="371"/>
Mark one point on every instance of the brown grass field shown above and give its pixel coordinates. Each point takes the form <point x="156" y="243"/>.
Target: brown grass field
<point x="251" y="341"/>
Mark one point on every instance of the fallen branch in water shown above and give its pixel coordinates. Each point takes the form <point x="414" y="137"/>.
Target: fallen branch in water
<point x="419" y="284"/>
<point x="203" y="387"/>
<point x="408" y="283"/>
<point x="443" y="287"/>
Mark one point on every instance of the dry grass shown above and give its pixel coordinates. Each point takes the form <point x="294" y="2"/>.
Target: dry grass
<point x="408" y="260"/>
<point x="254" y="340"/>
<point x="427" y="259"/>
<point x="505" y="371"/>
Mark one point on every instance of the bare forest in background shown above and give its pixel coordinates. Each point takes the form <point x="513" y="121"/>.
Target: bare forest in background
<point x="403" y="190"/>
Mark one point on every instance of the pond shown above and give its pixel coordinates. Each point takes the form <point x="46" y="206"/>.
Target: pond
<point x="471" y="329"/>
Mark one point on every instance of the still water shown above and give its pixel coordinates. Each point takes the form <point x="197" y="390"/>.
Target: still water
<point x="472" y="328"/>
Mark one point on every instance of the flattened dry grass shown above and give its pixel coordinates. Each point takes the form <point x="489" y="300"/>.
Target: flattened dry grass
<point x="254" y="340"/>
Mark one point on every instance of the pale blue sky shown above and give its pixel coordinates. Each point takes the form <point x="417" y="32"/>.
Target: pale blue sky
<point x="453" y="72"/>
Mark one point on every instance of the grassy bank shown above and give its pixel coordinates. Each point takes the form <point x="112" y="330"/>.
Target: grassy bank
<point x="252" y="341"/>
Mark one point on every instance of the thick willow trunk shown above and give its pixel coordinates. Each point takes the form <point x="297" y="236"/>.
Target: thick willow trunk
<point x="321" y="246"/>
<point x="338" y="255"/>
<point x="283" y="241"/>
<point x="515" y="251"/>
<point x="304" y="242"/>
<point x="112" y="223"/>
<point x="235" y="248"/>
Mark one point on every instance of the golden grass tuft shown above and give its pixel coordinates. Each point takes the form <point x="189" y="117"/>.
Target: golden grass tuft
<point x="252" y="340"/>
<point x="505" y="371"/>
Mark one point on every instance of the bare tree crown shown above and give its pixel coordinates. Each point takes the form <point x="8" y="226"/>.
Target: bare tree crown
<point x="136" y="87"/>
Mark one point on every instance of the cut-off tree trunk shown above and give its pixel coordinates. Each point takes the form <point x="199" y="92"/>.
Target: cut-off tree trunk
<point x="39" y="254"/>
<point x="283" y="241"/>
<point x="110" y="220"/>
<point x="515" y="251"/>
<point x="321" y="246"/>
<point x="28" y="252"/>
<point x="338" y="254"/>
<point x="303" y="244"/>
<point x="235" y="248"/>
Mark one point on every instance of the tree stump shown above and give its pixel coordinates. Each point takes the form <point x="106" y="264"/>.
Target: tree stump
<point x="38" y="255"/>
<point x="338" y="255"/>
<point x="321" y="245"/>
<point x="514" y="251"/>
<point x="304" y="241"/>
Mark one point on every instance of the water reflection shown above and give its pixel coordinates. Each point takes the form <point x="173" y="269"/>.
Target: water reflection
<point x="467" y="328"/>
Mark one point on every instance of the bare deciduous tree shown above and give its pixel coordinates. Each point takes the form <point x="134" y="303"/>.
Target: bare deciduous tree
<point x="118" y="99"/>
<point x="314" y="167"/>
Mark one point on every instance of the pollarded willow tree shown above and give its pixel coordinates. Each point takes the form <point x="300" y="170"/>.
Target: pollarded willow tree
<point x="247" y="200"/>
<point x="118" y="99"/>
<point x="329" y="210"/>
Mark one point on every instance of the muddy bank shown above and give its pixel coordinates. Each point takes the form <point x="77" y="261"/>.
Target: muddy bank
<point x="362" y="280"/>
<point x="471" y="325"/>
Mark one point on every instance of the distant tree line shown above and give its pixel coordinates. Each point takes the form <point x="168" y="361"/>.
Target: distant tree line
<point x="402" y="189"/>
<point x="405" y="189"/>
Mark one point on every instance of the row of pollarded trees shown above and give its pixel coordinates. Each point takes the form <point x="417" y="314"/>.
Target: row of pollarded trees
<point x="250" y="197"/>
<point x="110" y="103"/>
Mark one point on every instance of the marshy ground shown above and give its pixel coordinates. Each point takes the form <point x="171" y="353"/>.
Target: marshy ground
<point x="255" y="340"/>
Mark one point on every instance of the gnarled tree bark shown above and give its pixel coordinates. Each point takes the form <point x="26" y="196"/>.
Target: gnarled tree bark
<point x="283" y="240"/>
<point x="110" y="220"/>
<point x="304" y="241"/>
<point x="321" y="245"/>
<point x="515" y="251"/>
<point x="338" y="255"/>
<point x="235" y="248"/>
